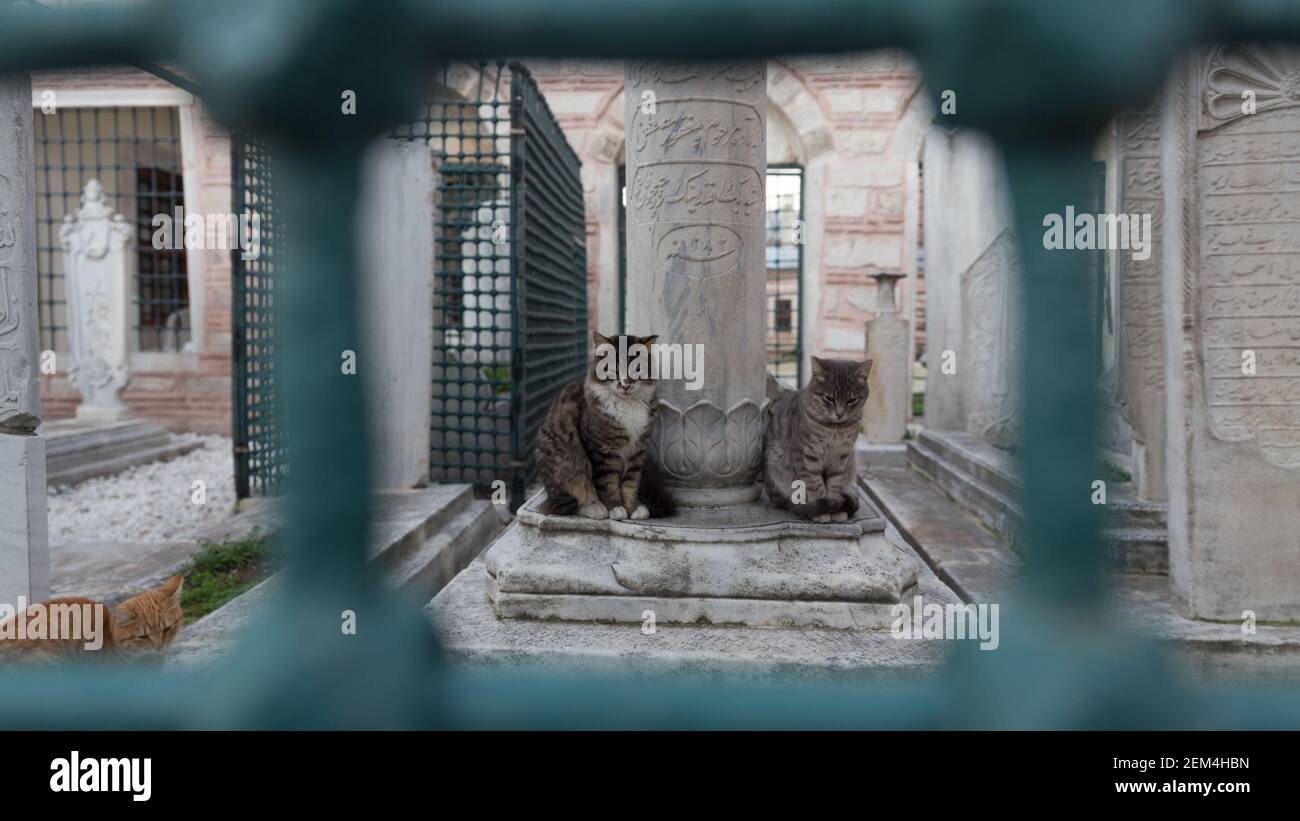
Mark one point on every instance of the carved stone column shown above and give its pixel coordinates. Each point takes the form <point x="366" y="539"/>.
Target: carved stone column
<point x="696" y="170"/>
<point x="24" y="546"/>
<point x="94" y="245"/>
<point x="885" y="415"/>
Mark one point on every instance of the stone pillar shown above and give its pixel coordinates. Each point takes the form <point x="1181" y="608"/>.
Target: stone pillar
<point x="967" y="236"/>
<point x="1232" y="333"/>
<point x="396" y="358"/>
<point x="1141" y="309"/>
<point x="696" y="168"/>
<point x="24" y="545"/>
<point x="94" y="244"/>
<point x="885" y="415"/>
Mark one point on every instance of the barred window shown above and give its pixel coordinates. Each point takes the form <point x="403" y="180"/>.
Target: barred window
<point x="135" y="153"/>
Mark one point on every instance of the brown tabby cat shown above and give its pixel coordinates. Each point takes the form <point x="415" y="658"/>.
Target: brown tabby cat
<point x="591" y="449"/>
<point x="140" y="627"/>
<point x="809" y="437"/>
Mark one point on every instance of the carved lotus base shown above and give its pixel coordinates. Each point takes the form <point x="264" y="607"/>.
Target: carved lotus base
<point x="749" y="565"/>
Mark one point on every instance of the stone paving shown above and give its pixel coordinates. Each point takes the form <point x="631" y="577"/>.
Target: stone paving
<point x="115" y="535"/>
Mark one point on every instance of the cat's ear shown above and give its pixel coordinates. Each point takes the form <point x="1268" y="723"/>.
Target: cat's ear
<point x="864" y="369"/>
<point x="818" y="368"/>
<point x="173" y="587"/>
<point x="598" y="339"/>
<point x="649" y="340"/>
<point x="122" y="617"/>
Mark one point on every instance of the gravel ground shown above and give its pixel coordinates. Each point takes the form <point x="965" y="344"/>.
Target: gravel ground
<point x="149" y="503"/>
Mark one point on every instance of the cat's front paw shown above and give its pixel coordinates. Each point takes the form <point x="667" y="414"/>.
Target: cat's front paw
<point x="595" y="510"/>
<point x="822" y="518"/>
<point x="842" y="516"/>
<point x="641" y="512"/>
<point x="618" y="512"/>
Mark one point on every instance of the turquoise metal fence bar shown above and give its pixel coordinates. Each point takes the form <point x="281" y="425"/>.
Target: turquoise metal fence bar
<point x="1041" y="78"/>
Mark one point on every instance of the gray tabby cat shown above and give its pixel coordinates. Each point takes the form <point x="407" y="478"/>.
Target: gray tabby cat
<point x="591" y="449"/>
<point x="810" y="436"/>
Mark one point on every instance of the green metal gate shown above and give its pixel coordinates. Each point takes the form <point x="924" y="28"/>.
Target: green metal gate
<point x="261" y="453"/>
<point x="510" y="278"/>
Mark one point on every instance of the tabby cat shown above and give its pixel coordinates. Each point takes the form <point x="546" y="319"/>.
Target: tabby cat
<point x="809" y="437"/>
<point x="591" y="449"/>
<point x="139" y="628"/>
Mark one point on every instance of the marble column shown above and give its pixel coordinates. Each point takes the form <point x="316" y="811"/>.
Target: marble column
<point x="94" y="244"/>
<point x="696" y="166"/>
<point x="1232" y="334"/>
<point x="396" y="358"/>
<point x="24" y="545"/>
<point x="885" y="415"/>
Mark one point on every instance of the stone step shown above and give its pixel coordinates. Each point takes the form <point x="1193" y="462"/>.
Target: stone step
<point x="437" y="561"/>
<point x="1137" y="550"/>
<point x="403" y="520"/>
<point x="956" y="545"/>
<point x="81" y="471"/>
<point x="981" y="478"/>
<point x="77" y="451"/>
<point x="994" y="471"/>
<point x="994" y="468"/>
<point x="68" y="440"/>
<point x="995" y="509"/>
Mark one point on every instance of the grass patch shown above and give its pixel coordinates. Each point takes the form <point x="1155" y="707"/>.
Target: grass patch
<point x="1114" y="473"/>
<point x="499" y="376"/>
<point x="918" y="405"/>
<point x="221" y="571"/>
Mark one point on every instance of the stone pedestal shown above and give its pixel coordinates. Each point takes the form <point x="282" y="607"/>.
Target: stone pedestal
<point x="24" y="545"/>
<point x="696" y="171"/>
<point x="94" y="243"/>
<point x="1232" y="334"/>
<point x="749" y="564"/>
<point x="884" y="417"/>
<point x="396" y="217"/>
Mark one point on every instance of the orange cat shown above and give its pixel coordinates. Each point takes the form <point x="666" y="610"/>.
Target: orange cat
<point x="74" y="628"/>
